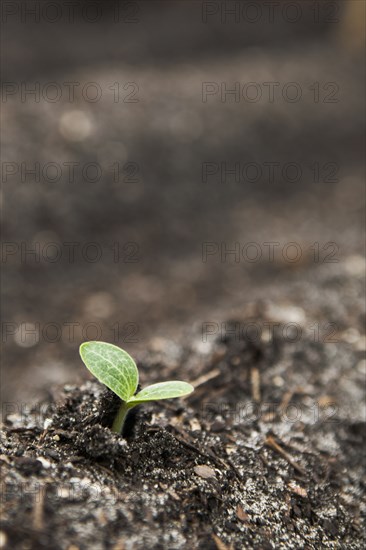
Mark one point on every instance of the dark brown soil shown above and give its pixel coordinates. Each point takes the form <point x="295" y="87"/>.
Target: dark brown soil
<point x="267" y="453"/>
<point x="261" y="455"/>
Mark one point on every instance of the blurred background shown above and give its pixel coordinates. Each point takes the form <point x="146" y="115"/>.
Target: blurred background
<point x="135" y="133"/>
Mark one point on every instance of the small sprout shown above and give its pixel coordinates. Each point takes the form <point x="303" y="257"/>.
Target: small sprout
<point x="117" y="370"/>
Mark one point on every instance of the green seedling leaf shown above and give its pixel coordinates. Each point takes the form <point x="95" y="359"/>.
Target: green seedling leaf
<point x="162" y="390"/>
<point x="112" y="366"/>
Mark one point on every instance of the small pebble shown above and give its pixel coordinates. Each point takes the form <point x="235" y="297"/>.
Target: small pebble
<point x="278" y="381"/>
<point x="243" y="516"/>
<point x="27" y="335"/>
<point x="351" y="336"/>
<point x="204" y="471"/>
<point x="298" y="490"/>
<point x="47" y="423"/>
<point x="99" y="304"/>
<point x="194" y="425"/>
<point x="63" y="492"/>
<point x="45" y="463"/>
<point x="3" y="539"/>
<point x="355" y="265"/>
<point x="75" y="125"/>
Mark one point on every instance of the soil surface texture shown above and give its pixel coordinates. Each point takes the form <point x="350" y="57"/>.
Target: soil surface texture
<point x="266" y="453"/>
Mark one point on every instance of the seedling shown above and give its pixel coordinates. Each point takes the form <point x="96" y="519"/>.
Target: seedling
<point x="117" y="370"/>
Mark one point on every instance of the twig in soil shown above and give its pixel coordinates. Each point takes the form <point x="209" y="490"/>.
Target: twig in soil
<point x="286" y="399"/>
<point x="205" y="378"/>
<point x="209" y="455"/>
<point x="193" y="447"/>
<point x="270" y="442"/>
<point x="38" y="522"/>
<point x="42" y="436"/>
<point x="281" y="409"/>
<point x="256" y="384"/>
<point x="220" y="545"/>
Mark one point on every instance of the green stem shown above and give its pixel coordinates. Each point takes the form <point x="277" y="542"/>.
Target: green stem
<point x="119" y="421"/>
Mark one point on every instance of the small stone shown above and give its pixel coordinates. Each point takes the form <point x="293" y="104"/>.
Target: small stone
<point x="75" y="125"/>
<point x="230" y="449"/>
<point x="284" y="313"/>
<point x="278" y="381"/>
<point x="99" y="304"/>
<point x="298" y="490"/>
<point x="3" y="539"/>
<point x="27" y="335"/>
<point x="205" y="472"/>
<point x="47" y="423"/>
<point x="63" y="492"/>
<point x="351" y="336"/>
<point x="45" y="463"/>
<point x="195" y="425"/>
<point x="243" y="516"/>
<point x="355" y="265"/>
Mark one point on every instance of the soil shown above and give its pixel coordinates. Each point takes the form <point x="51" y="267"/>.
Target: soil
<point x="169" y="212"/>
<point x="267" y="453"/>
